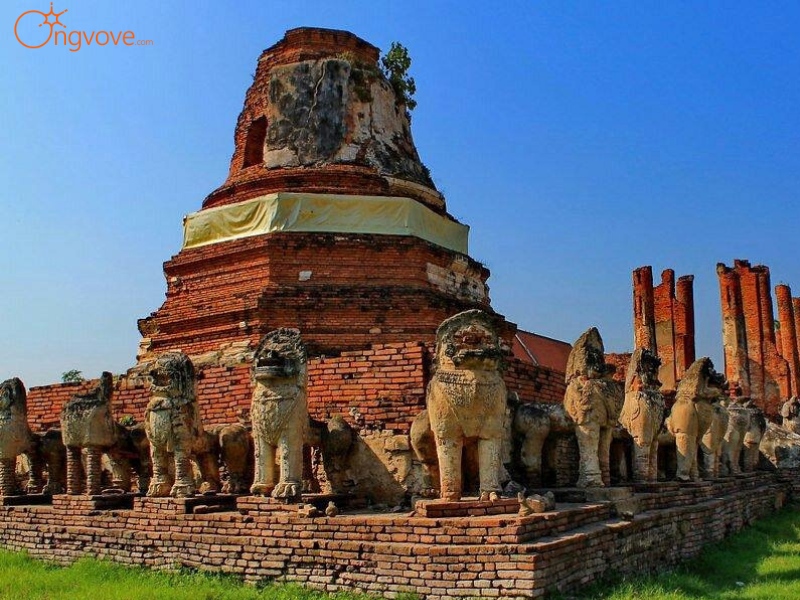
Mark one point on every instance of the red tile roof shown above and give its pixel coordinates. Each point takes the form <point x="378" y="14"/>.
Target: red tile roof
<point x="541" y="350"/>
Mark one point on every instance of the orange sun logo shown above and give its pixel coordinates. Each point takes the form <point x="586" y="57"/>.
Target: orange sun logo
<point x="56" y="16"/>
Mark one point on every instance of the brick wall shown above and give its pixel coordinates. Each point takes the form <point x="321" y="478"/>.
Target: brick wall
<point x="381" y="388"/>
<point x="359" y="290"/>
<point x="479" y="556"/>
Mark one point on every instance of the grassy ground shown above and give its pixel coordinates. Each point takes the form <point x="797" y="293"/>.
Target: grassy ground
<point x="762" y="562"/>
<point x="22" y="578"/>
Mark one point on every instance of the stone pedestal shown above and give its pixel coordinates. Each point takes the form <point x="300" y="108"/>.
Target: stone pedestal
<point x="84" y="503"/>
<point x="26" y="500"/>
<point x="248" y="504"/>
<point x="187" y="506"/>
<point x="467" y="507"/>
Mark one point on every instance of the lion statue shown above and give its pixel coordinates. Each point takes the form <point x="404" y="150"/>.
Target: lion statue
<point x="643" y="412"/>
<point x="174" y="429"/>
<point x="466" y="398"/>
<point x="790" y="413"/>
<point x="16" y="437"/>
<point x="693" y="413"/>
<point x="87" y="424"/>
<point x="279" y="413"/>
<point x="713" y="441"/>
<point x="593" y="401"/>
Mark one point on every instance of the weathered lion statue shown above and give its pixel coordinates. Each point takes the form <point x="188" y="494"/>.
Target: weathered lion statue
<point x="279" y="413"/>
<point x="643" y="412"/>
<point x="692" y="413"/>
<point x="790" y="413"/>
<point x="466" y="398"/>
<point x="175" y="431"/>
<point x="752" y="438"/>
<point x="87" y="424"/>
<point x="593" y="400"/>
<point x="713" y="442"/>
<point x="15" y="436"/>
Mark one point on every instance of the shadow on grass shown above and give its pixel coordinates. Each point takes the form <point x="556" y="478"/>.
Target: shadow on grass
<point x="765" y="555"/>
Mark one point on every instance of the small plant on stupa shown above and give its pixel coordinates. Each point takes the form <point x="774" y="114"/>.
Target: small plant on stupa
<point x="395" y="64"/>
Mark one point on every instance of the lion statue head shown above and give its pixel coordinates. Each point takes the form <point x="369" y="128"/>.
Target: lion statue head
<point x="13" y="398"/>
<point x="588" y="357"/>
<point x="171" y="377"/>
<point x="281" y="354"/>
<point x="469" y="341"/>
<point x="642" y="371"/>
<point x="701" y="382"/>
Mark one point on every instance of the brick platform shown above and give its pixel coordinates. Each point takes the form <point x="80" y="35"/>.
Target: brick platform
<point x="506" y="556"/>
<point x="24" y="499"/>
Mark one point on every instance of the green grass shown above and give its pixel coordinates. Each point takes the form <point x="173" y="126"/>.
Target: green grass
<point x="762" y="562"/>
<point x="22" y="578"/>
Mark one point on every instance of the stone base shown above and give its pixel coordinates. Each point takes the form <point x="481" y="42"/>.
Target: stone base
<point x="621" y="498"/>
<point x="186" y="506"/>
<point x="656" y="487"/>
<point x="466" y="507"/>
<point x="248" y="504"/>
<point x="26" y="500"/>
<point x="82" y="503"/>
<point x="504" y="556"/>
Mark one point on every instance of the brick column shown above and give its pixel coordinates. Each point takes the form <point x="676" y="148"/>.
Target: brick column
<point x="684" y="324"/>
<point x="789" y="351"/>
<point x="644" y="332"/>
<point x="664" y="295"/>
<point x="734" y="338"/>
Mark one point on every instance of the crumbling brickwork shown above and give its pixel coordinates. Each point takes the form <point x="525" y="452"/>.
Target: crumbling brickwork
<point x="787" y="344"/>
<point x="379" y="388"/>
<point x="752" y="360"/>
<point x="342" y="291"/>
<point x="663" y="321"/>
<point x="507" y="555"/>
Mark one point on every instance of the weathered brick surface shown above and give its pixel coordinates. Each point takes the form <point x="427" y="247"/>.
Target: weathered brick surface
<point x="506" y="556"/>
<point x="752" y="360"/>
<point x="360" y="290"/>
<point x="663" y="320"/>
<point x="382" y="387"/>
<point x="787" y="344"/>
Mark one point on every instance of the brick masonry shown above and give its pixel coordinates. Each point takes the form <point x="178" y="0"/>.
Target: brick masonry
<point x="439" y="558"/>
<point x="753" y="362"/>
<point x="381" y="388"/>
<point x="663" y="320"/>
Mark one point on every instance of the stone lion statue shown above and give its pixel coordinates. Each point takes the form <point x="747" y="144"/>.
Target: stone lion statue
<point x="16" y="437"/>
<point x="752" y="438"/>
<point x="175" y="431"/>
<point x="790" y="412"/>
<point x="279" y="413"/>
<point x="594" y="401"/>
<point x="466" y="398"/>
<point x="713" y="441"/>
<point x="643" y="412"/>
<point x="87" y="424"/>
<point x="692" y="413"/>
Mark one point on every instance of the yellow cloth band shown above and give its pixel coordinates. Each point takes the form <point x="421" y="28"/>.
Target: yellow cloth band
<point x="335" y="213"/>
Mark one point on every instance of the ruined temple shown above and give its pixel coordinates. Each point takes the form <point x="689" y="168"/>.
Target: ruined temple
<point x="328" y="220"/>
<point x="754" y="364"/>
<point x="318" y="293"/>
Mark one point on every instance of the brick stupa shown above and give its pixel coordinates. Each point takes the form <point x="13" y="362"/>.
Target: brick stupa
<point x="328" y="220"/>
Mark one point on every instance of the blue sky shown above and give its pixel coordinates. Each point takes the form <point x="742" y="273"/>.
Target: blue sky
<point x="578" y="139"/>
